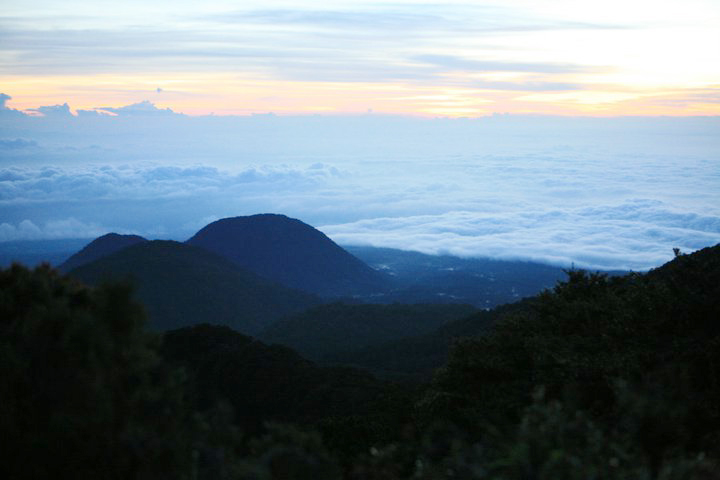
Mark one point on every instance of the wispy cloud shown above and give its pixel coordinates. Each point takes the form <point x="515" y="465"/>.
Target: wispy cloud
<point x="364" y="52"/>
<point x="458" y="63"/>
<point x="337" y="45"/>
<point x="144" y="109"/>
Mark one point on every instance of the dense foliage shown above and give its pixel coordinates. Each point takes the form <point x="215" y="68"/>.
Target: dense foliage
<point x="418" y="356"/>
<point x="82" y="387"/>
<point x="601" y="377"/>
<point x="265" y="382"/>
<point x="330" y="329"/>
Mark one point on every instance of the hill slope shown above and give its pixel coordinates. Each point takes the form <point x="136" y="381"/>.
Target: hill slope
<point x="593" y="329"/>
<point x="184" y="285"/>
<point x="265" y="382"/>
<point x="289" y="252"/>
<point x="337" y="327"/>
<point x="98" y="248"/>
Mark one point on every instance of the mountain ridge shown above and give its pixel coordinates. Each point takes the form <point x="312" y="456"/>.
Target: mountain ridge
<point x="183" y="285"/>
<point x="100" y="247"/>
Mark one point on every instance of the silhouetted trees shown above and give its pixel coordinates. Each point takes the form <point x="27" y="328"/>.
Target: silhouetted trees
<point x="601" y="377"/>
<point x="83" y="391"/>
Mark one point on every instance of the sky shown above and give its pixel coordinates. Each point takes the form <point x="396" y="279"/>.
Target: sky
<point x="566" y="57"/>
<point x="561" y="132"/>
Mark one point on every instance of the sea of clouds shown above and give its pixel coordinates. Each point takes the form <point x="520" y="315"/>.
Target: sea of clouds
<point x="600" y="193"/>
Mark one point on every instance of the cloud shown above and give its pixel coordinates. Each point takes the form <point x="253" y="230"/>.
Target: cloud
<point x="17" y="144"/>
<point x="153" y="199"/>
<point x="91" y="113"/>
<point x="458" y="63"/>
<point x="613" y="193"/>
<point x="66" y="228"/>
<point x="5" y="110"/>
<point x="53" y="110"/>
<point x="534" y="208"/>
<point x="139" y="182"/>
<point x="144" y="108"/>
<point x="384" y="19"/>
<point x="689" y="97"/>
<point x="370" y="43"/>
<point x="529" y="86"/>
<point x="636" y="235"/>
<point x="406" y="20"/>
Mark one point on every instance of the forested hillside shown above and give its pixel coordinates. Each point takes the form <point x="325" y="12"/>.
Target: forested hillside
<point x="600" y="377"/>
<point x="328" y="330"/>
<point x="182" y="285"/>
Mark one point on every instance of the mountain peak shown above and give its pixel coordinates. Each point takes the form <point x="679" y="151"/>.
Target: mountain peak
<point x="288" y="251"/>
<point x="100" y="247"/>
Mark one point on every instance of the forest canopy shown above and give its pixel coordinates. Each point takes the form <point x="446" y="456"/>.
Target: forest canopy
<point x="600" y="377"/>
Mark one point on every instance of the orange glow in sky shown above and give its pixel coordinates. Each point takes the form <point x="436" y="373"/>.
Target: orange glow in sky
<point x="472" y="59"/>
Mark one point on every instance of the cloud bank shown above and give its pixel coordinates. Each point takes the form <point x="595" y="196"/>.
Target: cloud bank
<point x="602" y="193"/>
<point x="634" y="235"/>
<point x="56" y="229"/>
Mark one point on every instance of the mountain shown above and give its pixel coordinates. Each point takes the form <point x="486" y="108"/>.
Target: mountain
<point x="184" y="285"/>
<point x="98" y="248"/>
<point x="289" y="252"/>
<point x="337" y="327"/>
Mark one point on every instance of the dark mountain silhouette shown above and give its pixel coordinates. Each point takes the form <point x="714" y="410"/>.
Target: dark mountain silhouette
<point x="266" y="382"/>
<point x="98" y="248"/>
<point x="184" y="285"/>
<point x="417" y="356"/>
<point x="290" y="252"/>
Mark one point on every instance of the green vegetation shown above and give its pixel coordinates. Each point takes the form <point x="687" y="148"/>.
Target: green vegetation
<point x="83" y="391"/>
<point x="417" y="357"/>
<point x="331" y="329"/>
<point x="601" y="377"/>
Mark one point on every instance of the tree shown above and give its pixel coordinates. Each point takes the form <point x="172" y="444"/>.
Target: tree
<point x="83" y="391"/>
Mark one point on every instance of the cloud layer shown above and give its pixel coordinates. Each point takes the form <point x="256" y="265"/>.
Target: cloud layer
<point x="634" y="235"/>
<point x="602" y="193"/>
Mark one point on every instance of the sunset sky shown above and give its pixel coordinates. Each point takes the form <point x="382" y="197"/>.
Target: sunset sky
<point x="569" y="57"/>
